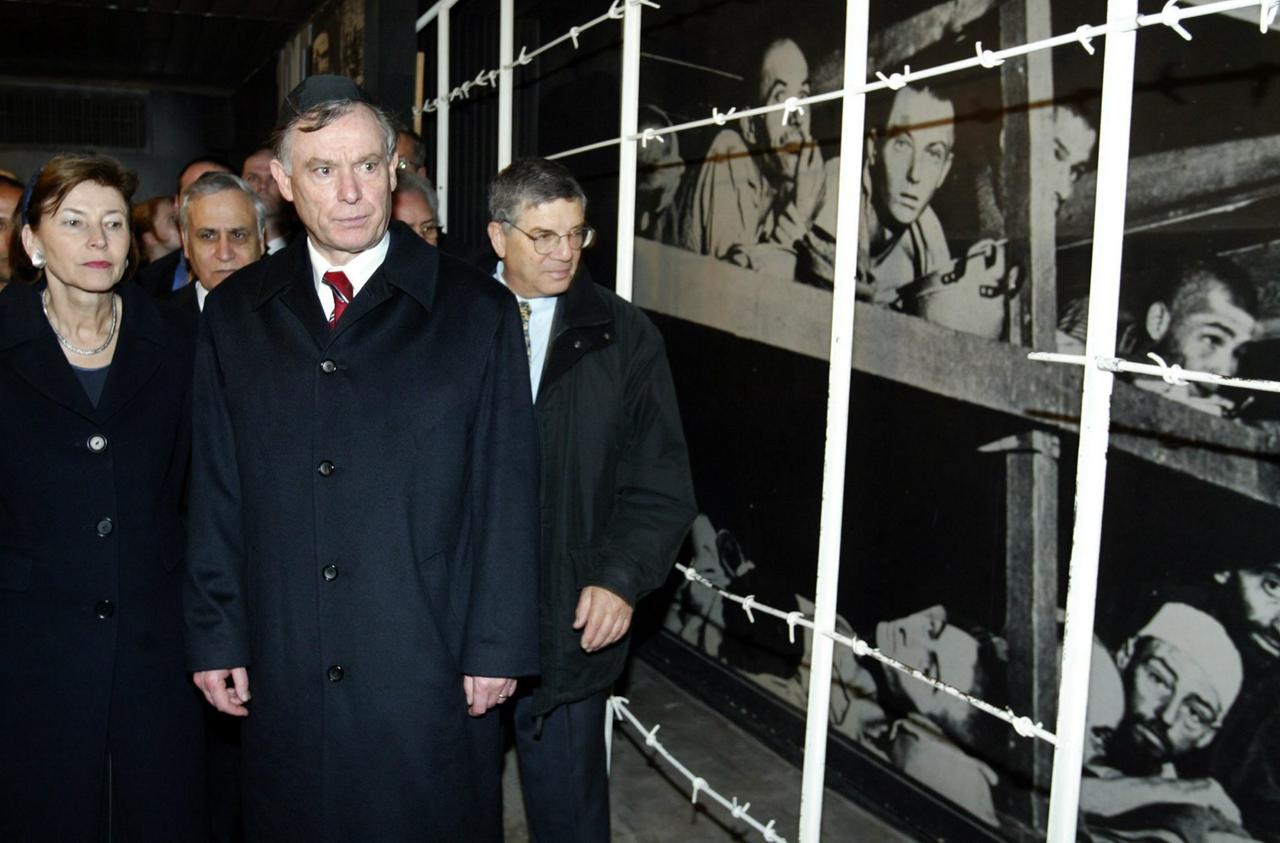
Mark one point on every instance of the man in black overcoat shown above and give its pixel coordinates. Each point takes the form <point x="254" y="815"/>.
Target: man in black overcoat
<point x="617" y="497"/>
<point x="363" y="572"/>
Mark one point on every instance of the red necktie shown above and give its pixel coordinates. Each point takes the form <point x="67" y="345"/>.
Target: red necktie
<point x="342" y="294"/>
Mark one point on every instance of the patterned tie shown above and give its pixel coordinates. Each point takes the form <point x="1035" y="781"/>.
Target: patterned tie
<point x="342" y="293"/>
<point x="525" y="310"/>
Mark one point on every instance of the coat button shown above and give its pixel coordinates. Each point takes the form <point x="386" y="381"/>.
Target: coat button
<point x="577" y="343"/>
<point x="96" y="443"/>
<point x="328" y="367"/>
<point x="329" y="572"/>
<point x="326" y="468"/>
<point x="335" y="673"/>
<point x="105" y="527"/>
<point x="104" y="609"/>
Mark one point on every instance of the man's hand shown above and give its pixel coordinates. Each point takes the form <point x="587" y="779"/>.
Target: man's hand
<point x="213" y="684"/>
<point x="603" y="617"/>
<point x="486" y="692"/>
<point x="796" y="218"/>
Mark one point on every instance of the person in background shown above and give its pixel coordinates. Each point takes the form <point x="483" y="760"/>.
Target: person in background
<point x="1181" y="674"/>
<point x="414" y="204"/>
<point x="10" y="194"/>
<point x="762" y="183"/>
<point x="616" y="487"/>
<point x="412" y="151"/>
<point x="907" y="160"/>
<point x="1198" y="314"/>
<point x="281" y="222"/>
<point x="660" y="170"/>
<point x="155" y="227"/>
<point x="362" y="548"/>
<point x="101" y="730"/>
<point x="223" y="223"/>
<point x="170" y="272"/>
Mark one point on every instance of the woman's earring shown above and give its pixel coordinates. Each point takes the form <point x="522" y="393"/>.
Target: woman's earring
<point x="37" y="260"/>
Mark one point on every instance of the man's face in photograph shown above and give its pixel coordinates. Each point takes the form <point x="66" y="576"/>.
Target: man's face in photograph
<point x="1255" y="596"/>
<point x="784" y="73"/>
<point x="913" y="158"/>
<point x="1208" y="336"/>
<point x="1172" y="706"/>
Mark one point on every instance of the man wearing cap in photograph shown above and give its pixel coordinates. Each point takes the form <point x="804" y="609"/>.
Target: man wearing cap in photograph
<point x="1181" y="674"/>
<point x="362" y="571"/>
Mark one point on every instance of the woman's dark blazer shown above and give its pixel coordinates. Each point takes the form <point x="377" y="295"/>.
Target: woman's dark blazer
<point x="91" y="656"/>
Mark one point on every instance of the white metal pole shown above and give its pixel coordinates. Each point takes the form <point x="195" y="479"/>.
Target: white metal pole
<point x="431" y="14"/>
<point x="506" y="54"/>
<point x="1095" y="421"/>
<point x="625" y="273"/>
<point x="838" y="383"/>
<point x="442" y="116"/>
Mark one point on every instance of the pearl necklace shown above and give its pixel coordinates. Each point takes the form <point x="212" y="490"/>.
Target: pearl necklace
<point x="74" y="349"/>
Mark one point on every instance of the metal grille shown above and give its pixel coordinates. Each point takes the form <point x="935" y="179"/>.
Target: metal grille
<point x="72" y="118"/>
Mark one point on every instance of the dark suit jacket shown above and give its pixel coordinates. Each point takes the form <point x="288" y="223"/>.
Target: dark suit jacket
<point x="184" y="299"/>
<point x="91" y="546"/>
<point x="364" y="522"/>
<point x="157" y="277"/>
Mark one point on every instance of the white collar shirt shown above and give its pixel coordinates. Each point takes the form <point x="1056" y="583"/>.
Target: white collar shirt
<point x="542" y="313"/>
<point x="358" y="270"/>
<point x="201" y="294"/>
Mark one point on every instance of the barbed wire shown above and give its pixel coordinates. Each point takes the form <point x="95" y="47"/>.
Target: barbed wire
<point x="740" y="811"/>
<point x="1172" y="374"/>
<point x="487" y="78"/>
<point x="1021" y="724"/>
<point x="1171" y="16"/>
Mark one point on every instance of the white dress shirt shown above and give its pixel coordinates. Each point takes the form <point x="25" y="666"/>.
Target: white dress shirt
<point x="542" y="313"/>
<point x="201" y="295"/>
<point x="358" y="270"/>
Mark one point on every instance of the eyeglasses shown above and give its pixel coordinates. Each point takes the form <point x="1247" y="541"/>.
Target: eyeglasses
<point x="548" y="241"/>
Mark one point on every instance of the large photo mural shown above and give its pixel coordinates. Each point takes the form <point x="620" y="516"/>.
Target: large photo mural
<point x="976" y="205"/>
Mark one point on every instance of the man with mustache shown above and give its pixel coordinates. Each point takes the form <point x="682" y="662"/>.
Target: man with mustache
<point x="1246" y="755"/>
<point x="1181" y="675"/>
<point x="761" y="186"/>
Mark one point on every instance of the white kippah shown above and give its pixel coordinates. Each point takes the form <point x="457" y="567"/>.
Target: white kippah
<point x="1200" y="636"/>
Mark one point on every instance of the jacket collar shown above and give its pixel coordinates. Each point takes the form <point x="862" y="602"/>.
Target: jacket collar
<point x="37" y="358"/>
<point x="582" y="306"/>
<point x="583" y="323"/>
<point x="411" y="266"/>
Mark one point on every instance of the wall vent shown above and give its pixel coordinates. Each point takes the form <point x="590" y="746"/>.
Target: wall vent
<point x="72" y="118"/>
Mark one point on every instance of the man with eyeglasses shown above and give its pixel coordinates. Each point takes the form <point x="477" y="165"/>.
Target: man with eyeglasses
<point x="616" y="492"/>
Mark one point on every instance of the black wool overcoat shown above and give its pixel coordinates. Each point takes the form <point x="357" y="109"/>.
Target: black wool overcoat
<point x="364" y="529"/>
<point x="91" y="660"/>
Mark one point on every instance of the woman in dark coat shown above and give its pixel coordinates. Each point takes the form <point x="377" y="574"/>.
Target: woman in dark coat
<point x="100" y="728"/>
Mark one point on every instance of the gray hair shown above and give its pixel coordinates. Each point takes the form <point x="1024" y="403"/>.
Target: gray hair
<point x="322" y="115"/>
<point x="530" y="182"/>
<point x="218" y="182"/>
<point x="408" y="181"/>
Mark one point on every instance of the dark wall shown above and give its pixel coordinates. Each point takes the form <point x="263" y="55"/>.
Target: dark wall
<point x="179" y="127"/>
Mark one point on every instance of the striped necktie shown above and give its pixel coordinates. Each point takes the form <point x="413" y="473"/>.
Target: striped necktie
<point x="342" y="293"/>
